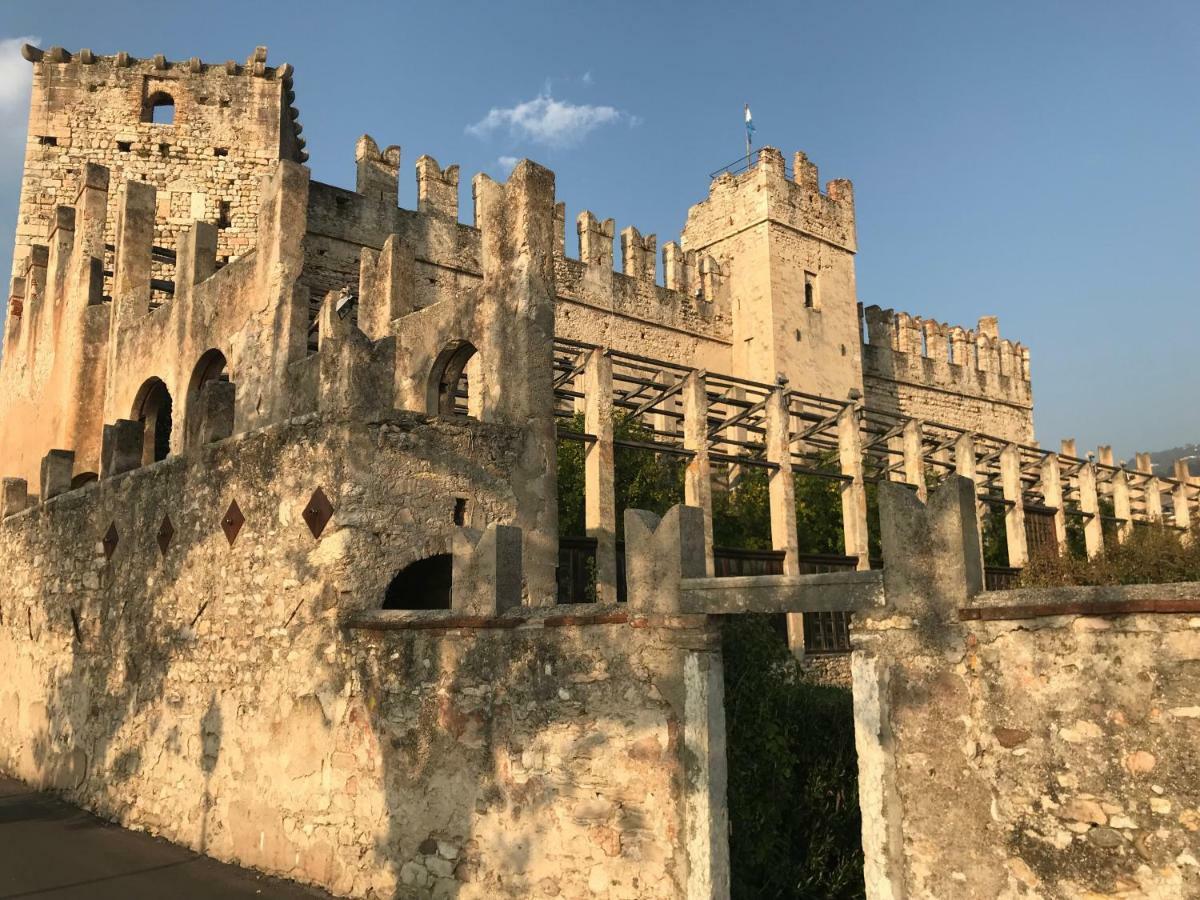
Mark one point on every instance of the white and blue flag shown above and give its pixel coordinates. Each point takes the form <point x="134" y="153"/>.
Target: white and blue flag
<point x="749" y="127"/>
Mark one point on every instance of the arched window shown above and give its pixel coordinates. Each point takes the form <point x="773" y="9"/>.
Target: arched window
<point x="210" y="367"/>
<point x="83" y="478"/>
<point x="424" y="584"/>
<point x="159" y="109"/>
<point x="448" y="387"/>
<point x="153" y="407"/>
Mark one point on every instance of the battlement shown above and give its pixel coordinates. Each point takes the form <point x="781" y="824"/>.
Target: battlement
<point x="201" y="133"/>
<point x="964" y="377"/>
<point x="980" y="350"/>
<point x="767" y="191"/>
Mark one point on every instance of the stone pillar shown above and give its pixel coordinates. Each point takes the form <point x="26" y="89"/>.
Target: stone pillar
<point x="91" y="216"/>
<point x="1151" y="488"/>
<point x="706" y="807"/>
<point x="378" y="173"/>
<point x="217" y="403"/>
<point x="912" y="442"/>
<point x="516" y="301"/>
<point x="1089" y="505"/>
<point x="385" y="286"/>
<point x="121" y="450"/>
<point x="697" y="479"/>
<point x="965" y="465"/>
<point x="639" y="255"/>
<point x="57" y="468"/>
<point x="14" y="496"/>
<point x="1014" y="510"/>
<point x="486" y="577"/>
<point x="195" y="257"/>
<point x="595" y="240"/>
<point x="782" y="488"/>
<point x="853" y="488"/>
<point x="1122" y="501"/>
<point x="658" y="553"/>
<point x="1183" y="512"/>
<point x="135" y="237"/>
<point x="600" y="502"/>
<point x="1052" y="496"/>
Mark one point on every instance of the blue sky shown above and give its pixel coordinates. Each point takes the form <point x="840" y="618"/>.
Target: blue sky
<point x="1038" y="161"/>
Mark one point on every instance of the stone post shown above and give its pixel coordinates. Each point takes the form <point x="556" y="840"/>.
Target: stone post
<point x="914" y="462"/>
<point x="1183" y="512"/>
<point x="121" y="450"/>
<point x="385" y="285"/>
<point x="658" y="553"/>
<point x="600" y="503"/>
<point x="1052" y="496"/>
<point x="486" y="577"/>
<point x="378" y="173"/>
<point x="195" y="258"/>
<point x="595" y="240"/>
<point x="1122" y="504"/>
<point x="437" y="188"/>
<point x="965" y="464"/>
<point x="853" y="488"/>
<point x="782" y="489"/>
<point x="1089" y="505"/>
<point x="57" y="469"/>
<point x="1014" y="510"/>
<point x="697" y="479"/>
<point x="516" y="306"/>
<point x="14" y="496"/>
<point x="135" y="237"/>
<point x="1151" y="488"/>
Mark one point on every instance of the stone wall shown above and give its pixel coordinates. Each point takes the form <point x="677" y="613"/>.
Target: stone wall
<point x="970" y="379"/>
<point x="1027" y="743"/>
<point x="246" y="697"/>
<point x="231" y="122"/>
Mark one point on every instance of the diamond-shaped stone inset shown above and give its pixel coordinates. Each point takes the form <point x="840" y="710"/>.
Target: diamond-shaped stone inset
<point x="166" y="531"/>
<point x="110" y="540"/>
<point x="232" y="522"/>
<point x="317" y="512"/>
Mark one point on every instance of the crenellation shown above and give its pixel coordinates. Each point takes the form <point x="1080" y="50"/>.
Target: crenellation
<point x="378" y="172"/>
<point x="437" y="188"/>
<point x="639" y="256"/>
<point x="595" y="240"/>
<point x="972" y="379"/>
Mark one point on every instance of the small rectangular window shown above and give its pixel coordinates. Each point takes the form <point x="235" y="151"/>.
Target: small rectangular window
<point x="124" y="146"/>
<point x="47" y="140"/>
<point x="223" y="214"/>
<point x="220" y="151"/>
<point x="810" y="290"/>
<point x="164" y="149"/>
<point x="460" y="510"/>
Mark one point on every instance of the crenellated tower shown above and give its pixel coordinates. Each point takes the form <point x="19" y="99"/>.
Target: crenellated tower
<point x="201" y="134"/>
<point x="786" y="251"/>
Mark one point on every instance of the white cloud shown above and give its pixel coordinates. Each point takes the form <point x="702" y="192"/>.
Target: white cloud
<point x="16" y="75"/>
<point x="544" y="120"/>
<point x="507" y="163"/>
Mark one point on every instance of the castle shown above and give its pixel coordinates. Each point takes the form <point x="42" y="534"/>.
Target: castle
<point x="280" y="534"/>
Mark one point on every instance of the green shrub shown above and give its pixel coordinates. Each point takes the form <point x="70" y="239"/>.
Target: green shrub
<point x="793" y="773"/>
<point x="1153" y="554"/>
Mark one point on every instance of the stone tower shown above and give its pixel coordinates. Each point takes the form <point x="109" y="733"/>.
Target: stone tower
<point x="786" y="253"/>
<point x="202" y="135"/>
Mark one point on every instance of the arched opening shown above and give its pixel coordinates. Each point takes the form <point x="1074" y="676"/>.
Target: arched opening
<point x="153" y="408"/>
<point x="210" y="367"/>
<point x="83" y="478"/>
<point x="424" y="584"/>
<point x="448" y="383"/>
<point x="159" y="109"/>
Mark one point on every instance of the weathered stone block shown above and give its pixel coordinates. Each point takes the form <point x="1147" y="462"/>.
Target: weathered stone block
<point x="57" y="469"/>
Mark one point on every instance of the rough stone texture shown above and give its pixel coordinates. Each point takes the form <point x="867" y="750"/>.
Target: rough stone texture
<point x="1051" y="757"/>
<point x="211" y="695"/>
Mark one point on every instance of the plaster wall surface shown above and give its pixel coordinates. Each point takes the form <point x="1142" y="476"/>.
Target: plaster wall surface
<point x="213" y="693"/>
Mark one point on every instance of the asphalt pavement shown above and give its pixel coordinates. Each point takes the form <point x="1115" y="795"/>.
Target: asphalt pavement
<point x="51" y="850"/>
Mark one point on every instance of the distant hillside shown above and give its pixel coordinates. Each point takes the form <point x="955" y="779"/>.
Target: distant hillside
<point x="1164" y="460"/>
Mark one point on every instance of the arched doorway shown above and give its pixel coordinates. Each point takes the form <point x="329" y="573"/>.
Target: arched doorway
<point x="448" y="387"/>
<point x="153" y="408"/>
<point x="424" y="584"/>
<point x="210" y="367"/>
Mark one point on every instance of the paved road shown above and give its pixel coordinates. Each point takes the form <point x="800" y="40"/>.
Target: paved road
<point x="50" y="850"/>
